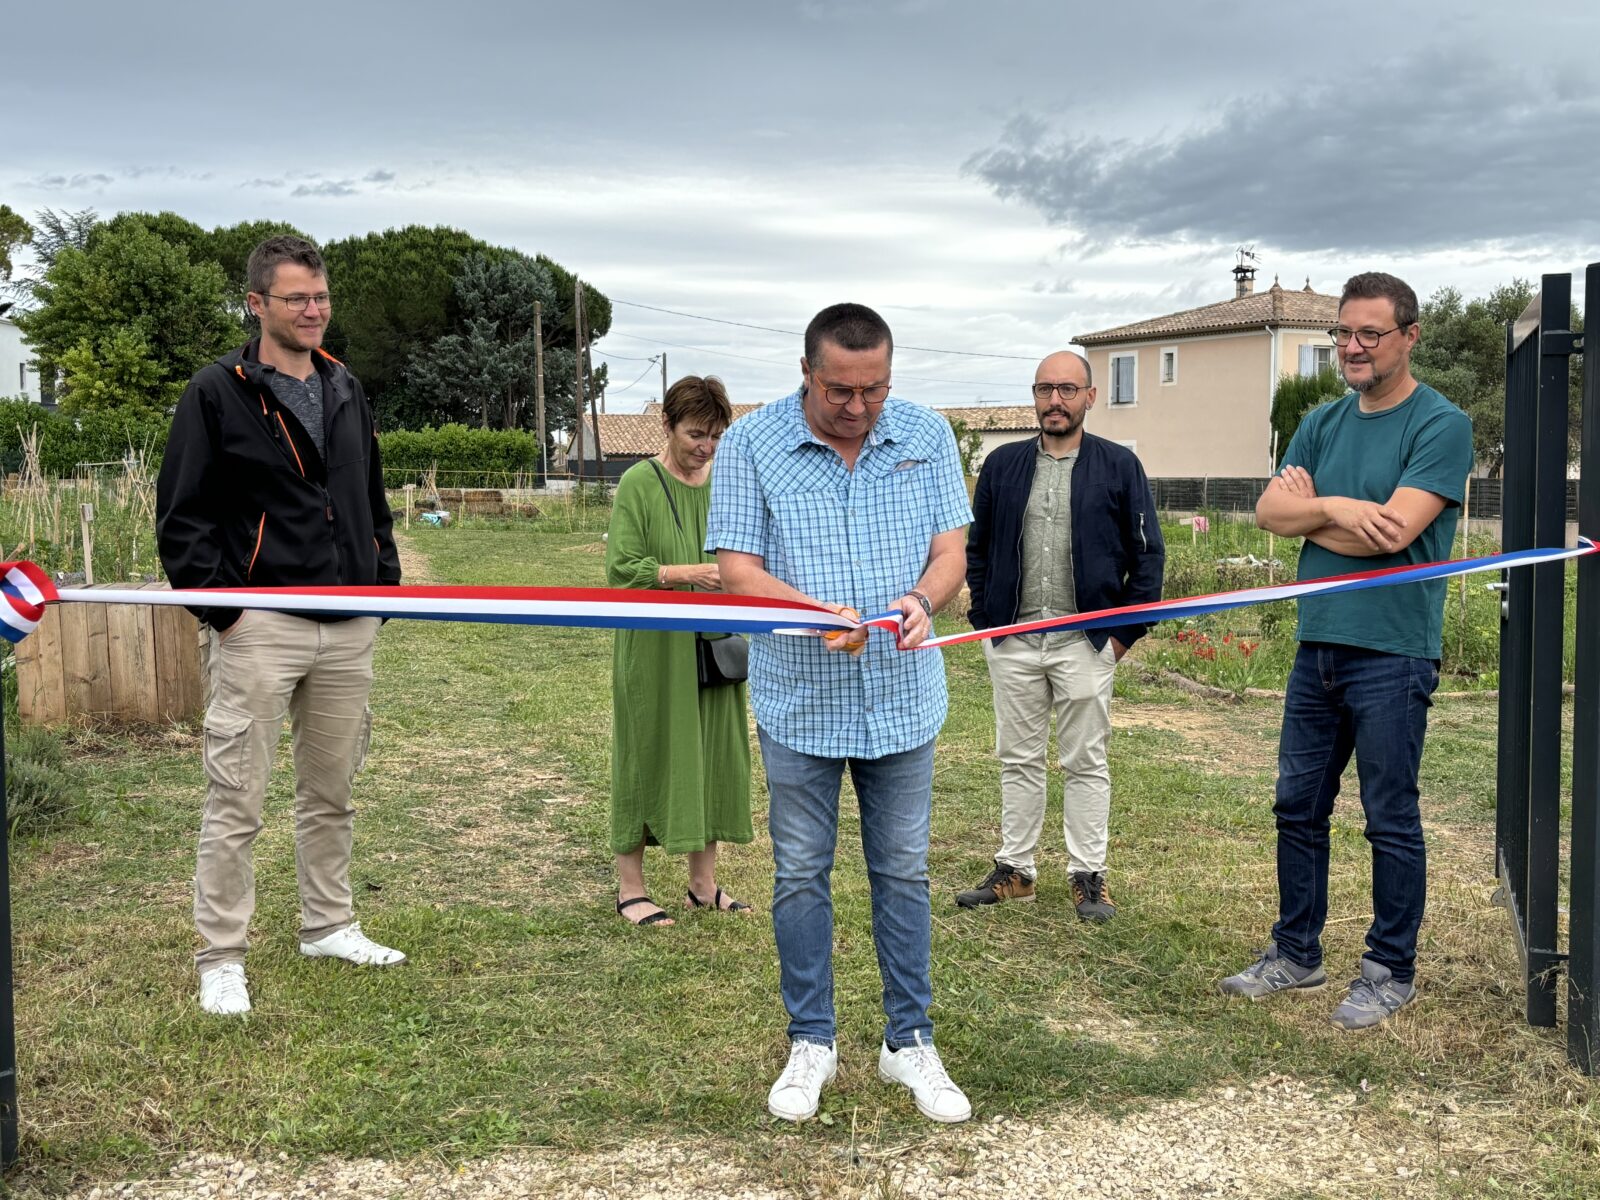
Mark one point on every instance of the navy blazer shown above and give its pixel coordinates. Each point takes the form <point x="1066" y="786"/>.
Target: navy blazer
<point x="1118" y="555"/>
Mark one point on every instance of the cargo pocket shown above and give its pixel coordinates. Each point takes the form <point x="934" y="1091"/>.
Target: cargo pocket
<point x="227" y="747"/>
<point x="363" y="743"/>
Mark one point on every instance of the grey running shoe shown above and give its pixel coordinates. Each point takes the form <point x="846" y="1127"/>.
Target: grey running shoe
<point x="1273" y="973"/>
<point x="1373" y="998"/>
<point x="1091" y="897"/>
<point x="1003" y="883"/>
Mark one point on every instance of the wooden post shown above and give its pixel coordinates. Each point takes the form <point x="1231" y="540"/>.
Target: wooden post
<point x="410" y="490"/>
<point x="86" y="523"/>
<point x="538" y="385"/>
<point x="577" y="372"/>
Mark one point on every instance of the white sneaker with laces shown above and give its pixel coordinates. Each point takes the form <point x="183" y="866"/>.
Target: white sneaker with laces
<point x="354" y="946"/>
<point x="224" y="991"/>
<point x="795" y="1095"/>
<point x="919" y="1068"/>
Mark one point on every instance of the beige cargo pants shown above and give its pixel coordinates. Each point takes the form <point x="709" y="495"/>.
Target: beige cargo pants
<point x="270" y="665"/>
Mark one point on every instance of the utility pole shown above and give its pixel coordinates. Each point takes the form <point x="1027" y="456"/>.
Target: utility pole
<point x="538" y="386"/>
<point x="596" y="396"/>
<point x="663" y="378"/>
<point x="577" y="371"/>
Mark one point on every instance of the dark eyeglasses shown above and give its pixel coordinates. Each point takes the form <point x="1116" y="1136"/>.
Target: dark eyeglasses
<point x="1067" y="391"/>
<point x="840" y="396"/>
<point x="1367" y="339"/>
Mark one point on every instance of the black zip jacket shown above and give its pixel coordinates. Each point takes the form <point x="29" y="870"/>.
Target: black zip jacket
<point x="1118" y="555"/>
<point x="244" y="498"/>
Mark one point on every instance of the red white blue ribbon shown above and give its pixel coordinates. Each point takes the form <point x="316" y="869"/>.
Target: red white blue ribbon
<point x="27" y="589"/>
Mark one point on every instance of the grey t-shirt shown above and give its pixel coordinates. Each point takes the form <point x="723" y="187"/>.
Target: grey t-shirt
<point x="304" y="399"/>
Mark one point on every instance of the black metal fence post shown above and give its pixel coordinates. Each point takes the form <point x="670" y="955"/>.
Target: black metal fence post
<point x="1583" y="965"/>
<point x="1516" y="623"/>
<point x="1549" y="598"/>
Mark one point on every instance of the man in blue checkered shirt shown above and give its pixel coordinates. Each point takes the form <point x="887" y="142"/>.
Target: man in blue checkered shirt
<point x="846" y="496"/>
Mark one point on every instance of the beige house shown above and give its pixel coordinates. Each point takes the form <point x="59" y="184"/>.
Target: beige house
<point x="1191" y="392"/>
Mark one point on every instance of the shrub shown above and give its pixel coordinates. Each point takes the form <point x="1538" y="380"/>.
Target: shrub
<point x="463" y="457"/>
<point x="1297" y="395"/>
<point x="41" y="790"/>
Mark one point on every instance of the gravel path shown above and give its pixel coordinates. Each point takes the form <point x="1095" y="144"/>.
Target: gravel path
<point x="1274" y="1138"/>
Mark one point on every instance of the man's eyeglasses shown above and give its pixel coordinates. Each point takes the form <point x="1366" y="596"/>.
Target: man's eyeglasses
<point x="297" y="303"/>
<point x="1368" y="339"/>
<point x="1067" y="391"/>
<point x="840" y="396"/>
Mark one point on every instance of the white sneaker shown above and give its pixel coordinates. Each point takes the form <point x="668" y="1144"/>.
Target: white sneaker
<point x="224" y="991"/>
<point x="794" y="1096"/>
<point x="919" y="1068"/>
<point x="354" y="946"/>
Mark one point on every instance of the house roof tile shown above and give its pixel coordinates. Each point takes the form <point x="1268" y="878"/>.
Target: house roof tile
<point x="1275" y="306"/>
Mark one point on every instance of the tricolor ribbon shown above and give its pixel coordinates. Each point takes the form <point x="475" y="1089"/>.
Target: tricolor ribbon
<point x="27" y="589"/>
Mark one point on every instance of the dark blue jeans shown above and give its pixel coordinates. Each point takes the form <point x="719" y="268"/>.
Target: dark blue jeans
<point x="1343" y="700"/>
<point x="896" y="796"/>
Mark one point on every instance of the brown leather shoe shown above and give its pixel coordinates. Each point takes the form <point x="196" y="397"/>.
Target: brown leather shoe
<point x="1003" y="883"/>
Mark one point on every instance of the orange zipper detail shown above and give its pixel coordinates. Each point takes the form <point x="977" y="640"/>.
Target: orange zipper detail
<point x="290" y="440"/>
<point x="261" y="529"/>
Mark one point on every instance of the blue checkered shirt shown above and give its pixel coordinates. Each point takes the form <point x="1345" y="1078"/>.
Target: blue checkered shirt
<point x="856" y="537"/>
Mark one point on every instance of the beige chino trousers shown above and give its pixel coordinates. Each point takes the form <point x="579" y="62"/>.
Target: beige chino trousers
<point x="271" y="665"/>
<point x="1033" y="675"/>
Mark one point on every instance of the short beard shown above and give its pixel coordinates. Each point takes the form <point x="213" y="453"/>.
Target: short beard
<point x="1371" y="382"/>
<point x="1072" y="426"/>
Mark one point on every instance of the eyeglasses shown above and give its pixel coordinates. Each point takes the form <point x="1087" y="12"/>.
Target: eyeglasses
<point x="1368" y="339"/>
<point x="297" y="303"/>
<point x="1067" y="391"/>
<point x="840" y="396"/>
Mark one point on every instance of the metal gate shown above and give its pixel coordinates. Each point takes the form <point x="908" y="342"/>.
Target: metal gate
<point x="1540" y="346"/>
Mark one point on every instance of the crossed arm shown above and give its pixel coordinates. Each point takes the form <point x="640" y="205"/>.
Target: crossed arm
<point x="1290" y="507"/>
<point x="747" y="575"/>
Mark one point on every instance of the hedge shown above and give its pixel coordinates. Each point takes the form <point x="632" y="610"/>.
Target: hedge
<point x="488" y="456"/>
<point x="67" y="444"/>
<point x="462" y="454"/>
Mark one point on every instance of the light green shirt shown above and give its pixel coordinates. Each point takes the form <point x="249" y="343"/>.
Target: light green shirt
<point x="1047" y="589"/>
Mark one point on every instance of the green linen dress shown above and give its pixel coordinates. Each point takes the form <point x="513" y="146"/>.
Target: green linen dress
<point x="680" y="754"/>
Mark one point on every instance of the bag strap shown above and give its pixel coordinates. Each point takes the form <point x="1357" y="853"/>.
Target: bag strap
<point x="662" y="476"/>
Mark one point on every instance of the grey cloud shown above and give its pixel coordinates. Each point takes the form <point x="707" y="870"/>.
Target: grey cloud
<point x="168" y="172"/>
<point x="262" y="183"/>
<point x="378" y="177"/>
<point x="1442" y="154"/>
<point x="69" y="183"/>
<point x="326" y="187"/>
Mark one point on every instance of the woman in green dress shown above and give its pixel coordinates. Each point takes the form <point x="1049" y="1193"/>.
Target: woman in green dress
<point x="680" y="753"/>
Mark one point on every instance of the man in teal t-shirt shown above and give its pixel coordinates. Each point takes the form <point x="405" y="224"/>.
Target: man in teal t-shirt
<point x="1371" y="480"/>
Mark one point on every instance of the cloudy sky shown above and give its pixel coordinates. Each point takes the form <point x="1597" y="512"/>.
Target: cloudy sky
<point x="994" y="178"/>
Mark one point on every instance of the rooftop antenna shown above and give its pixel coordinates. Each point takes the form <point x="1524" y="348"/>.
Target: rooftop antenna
<point x="1244" y="272"/>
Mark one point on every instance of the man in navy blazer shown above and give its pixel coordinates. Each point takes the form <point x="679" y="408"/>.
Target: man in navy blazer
<point x="1062" y="523"/>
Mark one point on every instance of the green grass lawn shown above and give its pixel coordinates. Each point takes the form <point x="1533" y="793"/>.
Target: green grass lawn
<point x="531" y="1015"/>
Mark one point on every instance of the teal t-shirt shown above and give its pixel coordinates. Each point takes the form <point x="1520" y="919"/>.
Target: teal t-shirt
<point x="1424" y="442"/>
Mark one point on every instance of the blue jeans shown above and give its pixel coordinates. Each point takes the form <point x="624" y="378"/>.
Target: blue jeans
<point x="896" y="797"/>
<point x="1340" y="700"/>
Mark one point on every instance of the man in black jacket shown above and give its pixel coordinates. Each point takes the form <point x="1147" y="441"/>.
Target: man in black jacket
<point x="1063" y="523"/>
<point x="272" y="478"/>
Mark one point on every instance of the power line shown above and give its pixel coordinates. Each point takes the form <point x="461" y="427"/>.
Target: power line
<point x="773" y="362"/>
<point x="624" y="357"/>
<point x="791" y="333"/>
<point x="642" y="374"/>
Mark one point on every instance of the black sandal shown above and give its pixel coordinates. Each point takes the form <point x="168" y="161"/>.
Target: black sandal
<point x="653" y="919"/>
<point x="733" y="905"/>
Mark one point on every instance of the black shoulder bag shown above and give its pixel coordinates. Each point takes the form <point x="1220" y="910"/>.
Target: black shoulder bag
<point x="718" y="660"/>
